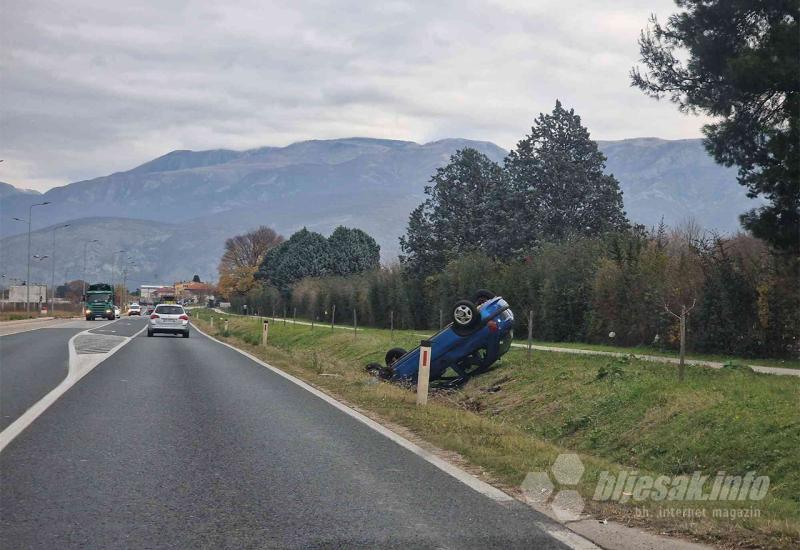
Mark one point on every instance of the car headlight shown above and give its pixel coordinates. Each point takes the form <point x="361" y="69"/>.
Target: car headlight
<point x="88" y="311"/>
<point x="108" y="311"/>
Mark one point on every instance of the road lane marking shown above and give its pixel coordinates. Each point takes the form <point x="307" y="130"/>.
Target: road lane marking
<point x="51" y="323"/>
<point x="79" y="366"/>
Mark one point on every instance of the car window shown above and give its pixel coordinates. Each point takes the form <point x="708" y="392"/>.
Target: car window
<point x="169" y="310"/>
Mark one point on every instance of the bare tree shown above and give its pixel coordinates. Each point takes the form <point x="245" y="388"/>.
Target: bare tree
<point x="684" y="278"/>
<point x="248" y="250"/>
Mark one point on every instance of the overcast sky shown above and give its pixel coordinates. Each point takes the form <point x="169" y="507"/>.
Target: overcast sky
<point x="92" y="87"/>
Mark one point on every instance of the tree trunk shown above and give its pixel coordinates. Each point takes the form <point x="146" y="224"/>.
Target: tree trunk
<point x="681" y="365"/>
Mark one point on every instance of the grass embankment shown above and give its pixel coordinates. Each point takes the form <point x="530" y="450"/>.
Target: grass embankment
<point x="649" y="350"/>
<point x="518" y="418"/>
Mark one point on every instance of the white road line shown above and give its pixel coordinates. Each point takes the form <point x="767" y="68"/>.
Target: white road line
<point x="52" y="323"/>
<point x="562" y="534"/>
<point x="79" y="366"/>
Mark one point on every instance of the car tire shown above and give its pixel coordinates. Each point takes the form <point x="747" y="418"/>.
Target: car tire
<point x="186" y="334"/>
<point x="482" y="295"/>
<point x="466" y="317"/>
<point x="393" y="355"/>
<point x="149" y="333"/>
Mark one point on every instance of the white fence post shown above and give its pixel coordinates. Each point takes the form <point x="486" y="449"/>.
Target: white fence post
<point x="424" y="372"/>
<point x="265" y="332"/>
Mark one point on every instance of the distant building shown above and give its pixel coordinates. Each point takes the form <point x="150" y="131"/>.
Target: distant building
<point x="148" y="294"/>
<point x="193" y="290"/>
<point x="18" y="293"/>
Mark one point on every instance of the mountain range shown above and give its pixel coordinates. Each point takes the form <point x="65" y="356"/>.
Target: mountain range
<point x="172" y="215"/>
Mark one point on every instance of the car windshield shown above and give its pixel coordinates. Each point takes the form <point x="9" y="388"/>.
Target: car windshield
<point x="92" y="298"/>
<point x="169" y="310"/>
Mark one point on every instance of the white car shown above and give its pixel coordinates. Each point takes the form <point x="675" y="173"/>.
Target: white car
<point x="134" y="309"/>
<point x="169" y="318"/>
<point x="117" y="312"/>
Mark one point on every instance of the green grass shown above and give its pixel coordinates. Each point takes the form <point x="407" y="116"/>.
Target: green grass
<point x="518" y="418"/>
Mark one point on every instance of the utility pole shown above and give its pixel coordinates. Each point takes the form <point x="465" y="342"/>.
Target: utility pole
<point x="53" y="262"/>
<point x="85" y="245"/>
<point x="28" y="280"/>
<point x="40" y="259"/>
<point x="125" y="284"/>
<point x="113" y="263"/>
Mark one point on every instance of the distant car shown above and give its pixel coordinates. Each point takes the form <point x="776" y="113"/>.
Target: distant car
<point x="480" y="333"/>
<point x="150" y="309"/>
<point x="134" y="309"/>
<point x="169" y="318"/>
<point x="117" y="312"/>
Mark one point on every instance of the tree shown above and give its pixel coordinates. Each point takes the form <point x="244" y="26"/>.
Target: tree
<point x="353" y="251"/>
<point x="242" y="257"/>
<point x="196" y="279"/>
<point x="421" y="251"/>
<point x="683" y="280"/>
<point x="558" y="187"/>
<point x="743" y="69"/>
<point x="450" y="221"/>
<point x="305" y="254"/>
<point x="72" y="291"/>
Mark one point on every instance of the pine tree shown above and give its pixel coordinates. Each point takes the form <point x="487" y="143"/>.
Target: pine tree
<point x="742" y="69"/>
<point x="450" y="222"/>
<point x="558" y="187"/>
<point x="353" y="251"/>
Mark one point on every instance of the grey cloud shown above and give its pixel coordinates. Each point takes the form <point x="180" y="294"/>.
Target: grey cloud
<point x="105" y="85"/>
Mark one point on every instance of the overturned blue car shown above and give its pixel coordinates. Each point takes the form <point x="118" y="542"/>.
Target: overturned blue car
<point x="480" y="333"/>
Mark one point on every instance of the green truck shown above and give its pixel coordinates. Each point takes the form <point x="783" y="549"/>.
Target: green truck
<point x="99" y="300"/>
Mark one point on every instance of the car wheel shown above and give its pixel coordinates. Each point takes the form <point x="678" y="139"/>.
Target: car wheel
<point x="149" y="333"/>
<point x="466" y="318"/>
<point x="483" y="295"/>
<point x="393" y="355"/>
<point x="186" y="334"/>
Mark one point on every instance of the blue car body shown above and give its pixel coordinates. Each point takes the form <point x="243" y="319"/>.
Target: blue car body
<point x="466" y="352"/>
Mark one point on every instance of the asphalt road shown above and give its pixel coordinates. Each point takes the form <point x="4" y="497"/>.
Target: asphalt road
<point x="31" y="364"/>
<point x="175" y="443"/>
<point x="124" y="326"/>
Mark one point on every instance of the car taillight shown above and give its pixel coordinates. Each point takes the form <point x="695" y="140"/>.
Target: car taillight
<point x="154" y="316"/>
<point x="184" y="317"/>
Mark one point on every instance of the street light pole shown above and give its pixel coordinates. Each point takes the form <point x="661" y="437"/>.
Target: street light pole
<point x="28" y="281"/>
<point x="53" y="274"/>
